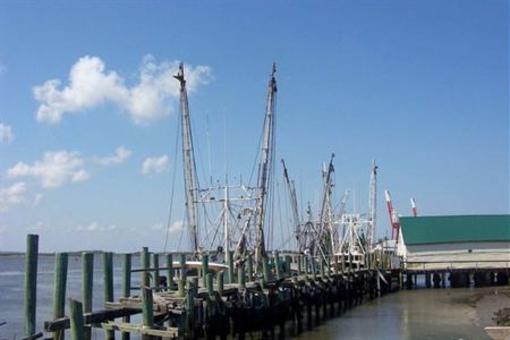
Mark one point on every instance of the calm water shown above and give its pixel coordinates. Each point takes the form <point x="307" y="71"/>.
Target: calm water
<point x="417" y="314"/>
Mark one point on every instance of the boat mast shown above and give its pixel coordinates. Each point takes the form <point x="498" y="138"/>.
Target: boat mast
<point x="327" y="230"/>
<point x="264" y="170"/>
<point x="190" y="176"/>
<point x="372" y="200"/>
<point x="291" y="187"/>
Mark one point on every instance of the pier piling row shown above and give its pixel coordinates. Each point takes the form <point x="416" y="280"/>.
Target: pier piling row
<point x="190" y="299"/>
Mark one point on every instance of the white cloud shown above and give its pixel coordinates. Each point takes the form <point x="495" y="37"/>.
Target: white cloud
<point x="176" y="226"/>
<point x="94" y="226"/>
<point x="91" y="84"/>
<point x="6" y="134"/>
<point x="13" y="194"/>
<point x="154" y="165"/>
<point x="121" y="154"/>
<point x="54" y="170"/>
<point x="173" y="228"/>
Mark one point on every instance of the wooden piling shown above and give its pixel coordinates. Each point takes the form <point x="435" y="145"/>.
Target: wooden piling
<point x="182" y="276"/>
<point x="249" y="265"/>
<point x="147" y="307"/>
<point x="170" y="266"/>
<point x="108" y="286"/>
<point x="59" y="290"/>
<point x="87" y="287"/>
<point x="241" y="277"/>
<point x="230" y="263"/>
<point x="265" y="270"/>
<point x="31" y="283"/>
<point x="126" y="286"/>
<point x="145" y="263"/>
<point x="76" y="319"/>
<point x="219" y="279"/>
<point x="277" y="265"/>
<point x="155" y="264"/>
<point x="205" y="269"/>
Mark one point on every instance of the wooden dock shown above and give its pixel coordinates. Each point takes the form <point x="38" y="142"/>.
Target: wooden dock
<point x="197" y="299"/>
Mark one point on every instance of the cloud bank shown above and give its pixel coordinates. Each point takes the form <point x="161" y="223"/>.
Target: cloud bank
<point x="90" y="85"/>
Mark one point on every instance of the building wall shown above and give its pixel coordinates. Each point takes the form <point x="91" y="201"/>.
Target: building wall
<point x="458" y="256"/>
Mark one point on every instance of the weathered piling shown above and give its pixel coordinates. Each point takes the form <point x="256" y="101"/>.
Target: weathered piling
<point x="59" y="290"/>
<point x="230" y="263"/>
<point x="155" y="264"/>
<point x="126" y="287"/>
<point x="31" y="283"/>
<point x="170" y="275"/>
<point x="182" y="276"/>
<point x="108" y="286"/>
<point x="241" y="277"/>
<point x="145" y="263"/>
<point x="76" y="320"/>
<point x="205" y="269"/>
<point x="219" y="280"/>
<point x="249" y="265"/>
<point x="87" y="287"/>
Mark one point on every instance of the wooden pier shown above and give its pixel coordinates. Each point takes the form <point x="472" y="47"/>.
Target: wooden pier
<point x="192" y="299"/>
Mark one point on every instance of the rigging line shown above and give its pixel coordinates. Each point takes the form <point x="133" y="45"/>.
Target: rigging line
<point x="170" y="209"/>
<point x="179" y="245"/>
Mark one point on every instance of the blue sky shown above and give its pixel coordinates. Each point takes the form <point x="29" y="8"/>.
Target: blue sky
<point x="420" y="86"/>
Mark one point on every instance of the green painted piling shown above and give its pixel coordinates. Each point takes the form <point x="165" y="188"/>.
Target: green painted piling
<point x="307" y="265"/>
<point x="288" y="264"/>
<point x="277" y="265"/>
<point x="219" y="279"/>
<point x="210" y="286"/>
<point x="265" y="270"/>
<point x="230" y="262"/>
<point x="126" y="286"/>
<point x="170" y="266"/>
<point x="155" y="264"/>
<point x="31" y="283"/>
<point x="182" y="276"/>
<point x="336" y="269"/>
<point x="194" y="281"/>
<point x="87" y="265"/>
<point x="145" y="263"/>
<point x="249" y="265"/>
<point x="108" y="276"/>
<point x="76" y="319"/>
<point x="147" y="307"/>
<point x="190" y="310"/>
<point x="299" y="265"/>
<point x="205" y="269"/>
<point x="108" y="285"/>
<point x="312" y="267"/>
<point x="323" y="267"/>
<point x="59" y="290"/>
<point x="241" y="277"/>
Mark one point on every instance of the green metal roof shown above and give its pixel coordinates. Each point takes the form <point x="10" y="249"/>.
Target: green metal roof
<point x="448" y="229"/>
